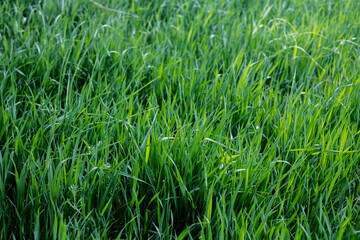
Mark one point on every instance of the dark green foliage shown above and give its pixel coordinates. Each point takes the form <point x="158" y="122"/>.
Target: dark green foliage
<point x="179" y="119"/>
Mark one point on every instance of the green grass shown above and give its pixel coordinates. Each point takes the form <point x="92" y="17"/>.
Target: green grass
<point x="222" y="119"/>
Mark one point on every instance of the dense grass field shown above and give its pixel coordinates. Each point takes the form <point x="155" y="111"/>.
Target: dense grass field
<point x="180" y="119"/>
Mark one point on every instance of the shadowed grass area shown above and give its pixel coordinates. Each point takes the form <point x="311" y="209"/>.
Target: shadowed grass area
<point x="179" y="119"/>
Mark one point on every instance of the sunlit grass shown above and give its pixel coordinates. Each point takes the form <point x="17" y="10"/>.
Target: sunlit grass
<point x="179" y="119"/>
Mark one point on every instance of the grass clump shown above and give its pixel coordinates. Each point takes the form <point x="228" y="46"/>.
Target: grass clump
<point x="179" y="119"/>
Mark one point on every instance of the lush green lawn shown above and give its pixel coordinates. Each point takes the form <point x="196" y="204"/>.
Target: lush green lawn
<point x="221" y="119"/>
